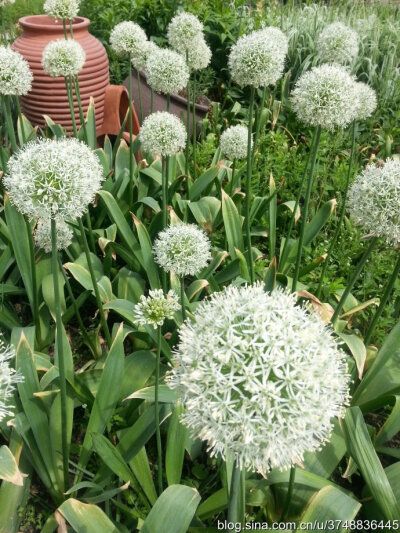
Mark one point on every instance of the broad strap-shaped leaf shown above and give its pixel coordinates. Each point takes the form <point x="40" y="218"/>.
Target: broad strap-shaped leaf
<point x="86" y="518"/>
<point x="233" y="225"/>
<point x="147" y="253"/>
<point x="331" y="504"/>
<point x="175" y="450"/>
<point x="9" y="470"/>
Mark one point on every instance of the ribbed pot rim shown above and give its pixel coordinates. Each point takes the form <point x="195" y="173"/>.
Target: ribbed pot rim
<point x="44" y="22"/>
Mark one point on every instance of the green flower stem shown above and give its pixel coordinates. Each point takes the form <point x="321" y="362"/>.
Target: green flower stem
<point x="248" y="189"/>
<point x="60" y="354"/>
<point x="305" y="209"/>
<point x="90" y="230"/>
<point x="236" y="504"/>
<point x="258" y="125"/>
<point x="71" y="30"/>
<point x="233" y="176"/>
<point x="388" y="289"/>
<point x="187" y="124"/>
<point x="68" y="88"/>
<point x="20" y="120"/>
<point x="81" y="114"/>
<point x="94" y="283"/>
<point x="168" y="102"/>
<point x="65" y="29"/>
<point x="182" y="280"/>
<point x="140" y="95"/>
<point x="164" y="200"/>
<point x="353" y="279"/>
<point x="194" y="126"/>
<point x="130" y="199"/>
<point x="35" y="304"/>
<point x="341" y="215"/>
<point x="157" y="414"/>
<point x="151" y="100"/>
<point x="9" y="123"/>
<point x="289" y="495"/>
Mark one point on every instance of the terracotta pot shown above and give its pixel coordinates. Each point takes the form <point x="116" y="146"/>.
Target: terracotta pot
<point x="178" y="104"/>
<point x="48" y="95"/>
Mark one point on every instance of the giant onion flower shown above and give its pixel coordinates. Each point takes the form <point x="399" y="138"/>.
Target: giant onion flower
<point x="154" y="309"/>
<point x="198" y="55"/>
<point x="53" y="178"/>
<point x="8" y="380"/>
<point x="234" y="142"/>
<point x="338" y="43"/>
<point x="63" y="57"/>
<point x="366" y="100"/>
<point x="183" y="29"/>
<point x="128" y="38"/>
<point x="183" y="249"/>
<point x="43" y="235"/>
<point x="260" y="377"/>
<point x="258" y="59"/>
<point x="166" y="71"/>
<point x="325" y="96"/>
<point x="374" y="201"/>
<point x="162" y="133"/>
<point x="62" y="9"/>
<point x="15" y="74"/>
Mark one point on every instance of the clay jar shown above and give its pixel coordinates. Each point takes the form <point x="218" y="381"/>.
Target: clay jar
<point x="48" y="95"/>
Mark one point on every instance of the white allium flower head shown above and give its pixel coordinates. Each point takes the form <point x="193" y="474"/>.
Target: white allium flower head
<point x="198" y="55"/>
<point x="15" y="75"/>
<point x="183" y="249"/>
<point x="234" y="142"/>
<point x="43" y="234"/>
<point x="154" y="309"/>
<point x="183" y="29"/>
<point x="258" y="59"/>
<point x="63" y="57"/>
<point x="6" y="2"/>
<point x="167" y="71"/>
<point x="325" y="96"/>
<point x="53" y="178"/>
<point x="260" y="377"/>
<point x="162" y="133"/>
<point x="338" y="43"/>
<point x="8" y="380"/>
<point x="374" y="201"/>
<point x="366" y="101"/>
<point x="62" y="9"/>
<point x="128" y="38"/>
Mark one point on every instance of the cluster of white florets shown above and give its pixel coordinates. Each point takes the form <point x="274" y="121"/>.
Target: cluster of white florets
<point x="183" y="30"/>
<point x="154" y="309"/>
<point x="62" y="9"/>
<point x="63" y="57"/>
<point x="258" y="59"/>
<point x="43" y="235"/>
<point x="199" y="55"/>
<point x="338" y="43"/>
<point x="166" y="71"/>
<point x="53" y="178"/>
<point x="183" y="249"/>
<point x="260" y="377"/>
<point x="325" y="96"/>
<point x="162" y="133"/>
<point x="128" y="38"/>
<point x="15" y="74"/>
<point x="8" y="380"/>
<point x="234" y="142"/>
<point x="366" y="101"/>
<point x="374" y="201"/>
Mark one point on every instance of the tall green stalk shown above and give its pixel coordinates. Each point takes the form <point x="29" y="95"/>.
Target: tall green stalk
<point x="164" y="203"/>
<point x="187" y="122"/>
<point x="68" y="87"/>
<point x="81" y="114"/>
<point x="305" y="209"/>
<point x="342" y="213"/>
<point x="182" y="283"/>
<point x="94" y="283"/>
<point x="10" y="123"/>
<point x="233" y="176"/>
<point x="353" y="279"/>
<point x="388" y="289"/>
<point x="168" y="102"/>
<point x="60" y="354"/>
<point x="247" y="199"/>
<point x="130" y="201"/>
<point x="194" y="126"/>
<point x="139" y="83"/>
<point x="151" y="100"/>
<point x="236" y="504"/>
<point x="20" y="120"/>
<point x="157" y="413"/>
<point x="35" y="303"/>
<point x="289" y="495"/>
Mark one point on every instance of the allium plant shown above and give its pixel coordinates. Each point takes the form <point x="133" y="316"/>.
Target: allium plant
<point x="8" y="380"/>
<point x="338" y="44"/>
<point x="162" y="133"/>
<point x="63" y="58"/>
<point x="366" y="101"/>
<point x="15" y="75"/>
<point x="167" y="71"/>
<point x="62" y="9"/>
<point x="234" y="142"/>
<point x="43" y="234"/>
<point x="183" y="29"/>
<point x="261" y="378"/>
<point x="198" y="55"/>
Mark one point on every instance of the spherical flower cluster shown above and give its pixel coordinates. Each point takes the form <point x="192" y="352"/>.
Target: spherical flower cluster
<point x="374" y="201"/>
<point x="128" y="38"/>
<point x="338" y="43"/>
<point x="62" y="9"/>
<point x="15" y="74"/>
<point x="8" y="380"/>
<point x="183" y="29"/>
<point x="154" y="309"/>
<point x="198" y="55"/>
<point x="258" y="59"/>
<point x="63" y="58"/>
<point x="183" y="249"/>
<point x="366" y="100"/>
<point x="234" y="142"/>
<point x="260" y="377"/>
<point x="325" y="96"/>
<point x="53" y="178"/>
<point x="167" y="71"/>
<point x="162" y="133"/>
<point x="43" y="234"/>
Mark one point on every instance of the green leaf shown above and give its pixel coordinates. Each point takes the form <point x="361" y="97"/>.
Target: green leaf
<point x="392" y="425"/>
<point x="202" y="182"/>
<point x="141" y="469"/>
<point x="9" y="470"/>
<point x="110" y="455"/>
<point x="91" y="124"/>
<point x="165" y="394"/>
<point x="233" y="225"/>
<point x="173" y="511"/>
<point x="273" y="206"/>
<point x="331" y="504"/>
<point x="358" y="349"/>
<point x="48" y="293"/>
<point x="86" y="518"/>
<point x="175" y="450"/>
<point x="147" y="253"/>
<point x="360" y="447"/>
